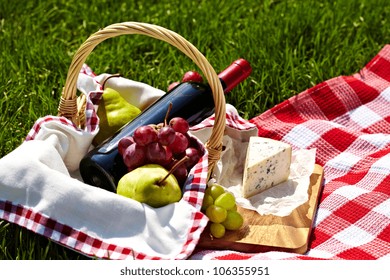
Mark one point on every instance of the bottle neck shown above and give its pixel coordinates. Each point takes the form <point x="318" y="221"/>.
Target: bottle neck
<point x="237" y="72"/>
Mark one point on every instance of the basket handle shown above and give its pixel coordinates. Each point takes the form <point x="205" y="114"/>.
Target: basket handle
<point x="68" y="103"/>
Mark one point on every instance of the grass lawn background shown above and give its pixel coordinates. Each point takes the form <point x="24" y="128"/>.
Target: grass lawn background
<point x="292" y="45"/>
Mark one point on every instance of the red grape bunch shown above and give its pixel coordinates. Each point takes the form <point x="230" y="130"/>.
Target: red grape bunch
<point x="164" y="144"/>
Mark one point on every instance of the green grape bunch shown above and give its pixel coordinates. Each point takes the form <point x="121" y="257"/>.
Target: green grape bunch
<point x="220" y="207"/>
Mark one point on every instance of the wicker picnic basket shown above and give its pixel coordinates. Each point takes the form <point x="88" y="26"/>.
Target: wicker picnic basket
<point x="73" y="107"/>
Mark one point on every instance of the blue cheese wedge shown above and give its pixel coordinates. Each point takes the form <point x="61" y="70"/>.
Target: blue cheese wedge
<point x="267" y="164"/>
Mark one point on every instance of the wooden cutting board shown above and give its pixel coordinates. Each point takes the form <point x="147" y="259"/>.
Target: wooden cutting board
<point x="261" y="233"/>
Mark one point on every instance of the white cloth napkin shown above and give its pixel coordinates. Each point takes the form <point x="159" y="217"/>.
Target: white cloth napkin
<point x="35" y="176"/>
<point x="41" y="175"/>
<point x="136" y="93"/>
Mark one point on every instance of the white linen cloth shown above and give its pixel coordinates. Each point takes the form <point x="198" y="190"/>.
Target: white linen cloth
<point x="41" y="177"/>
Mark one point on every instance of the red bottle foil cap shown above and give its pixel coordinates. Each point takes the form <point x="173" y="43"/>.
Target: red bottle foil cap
<point x="238" y="71"/>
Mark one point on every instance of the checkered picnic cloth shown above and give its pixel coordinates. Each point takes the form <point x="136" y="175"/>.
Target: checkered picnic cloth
<point x="347" y="119"/>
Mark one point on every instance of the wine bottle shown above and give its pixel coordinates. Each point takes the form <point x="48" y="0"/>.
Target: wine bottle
<point x="103" y="166"/>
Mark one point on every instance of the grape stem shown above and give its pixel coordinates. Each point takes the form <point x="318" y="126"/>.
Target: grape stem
<point x="167" y="114"/>
<point x="176" y="165"/>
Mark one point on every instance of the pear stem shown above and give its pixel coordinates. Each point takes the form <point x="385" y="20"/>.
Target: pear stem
<point x="109" y="77"/>
<point x="174" y="167"/>
<point x="167" y="114"/>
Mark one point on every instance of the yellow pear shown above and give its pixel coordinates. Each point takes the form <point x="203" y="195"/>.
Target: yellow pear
<point x="114" y="112"/>
<point x="150" y="184"/>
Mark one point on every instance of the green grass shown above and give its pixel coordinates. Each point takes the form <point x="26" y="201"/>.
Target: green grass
<point x="292" y="45"/>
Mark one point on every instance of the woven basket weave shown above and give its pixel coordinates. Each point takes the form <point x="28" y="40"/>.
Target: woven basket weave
<point x="73" y="107"/>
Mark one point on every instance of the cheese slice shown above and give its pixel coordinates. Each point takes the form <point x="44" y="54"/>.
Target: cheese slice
<point x="267" y="164"/>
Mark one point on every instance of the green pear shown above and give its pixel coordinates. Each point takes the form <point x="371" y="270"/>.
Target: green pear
<point x="151" y="184"/>
<point x="114" y="112"/>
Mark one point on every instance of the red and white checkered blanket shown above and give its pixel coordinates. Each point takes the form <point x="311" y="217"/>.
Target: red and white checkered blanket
<point x="347" y="119"/>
